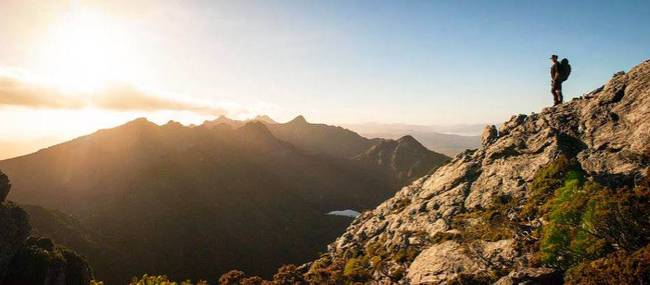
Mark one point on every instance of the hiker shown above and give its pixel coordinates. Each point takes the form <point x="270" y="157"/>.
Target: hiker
<point x="560" y="71"/>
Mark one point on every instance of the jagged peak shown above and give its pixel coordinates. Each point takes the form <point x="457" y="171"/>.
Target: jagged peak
<point x="264" y="119"/>
<point x="172" y="123"/>
<point x="411" y="142"/>
<point x="299" y="120"/>
<point x="256" y="128"/>
<point x="408" y="139"/>
<point x="221" y="118"/>
<point x="140" y="122"/>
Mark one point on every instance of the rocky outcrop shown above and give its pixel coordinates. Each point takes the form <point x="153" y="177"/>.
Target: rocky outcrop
<point x="606" y="131"/>
<point x="489" y="135"/>
<point x="34" y="260"/>
<point x="456" y="259"/>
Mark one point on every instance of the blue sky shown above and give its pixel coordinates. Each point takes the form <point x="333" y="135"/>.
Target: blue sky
<point x="416" y="62"/>
<point x="428" y="62"/>
<point x="481" y="61"/>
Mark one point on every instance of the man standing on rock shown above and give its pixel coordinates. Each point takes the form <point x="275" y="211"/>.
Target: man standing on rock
<point x="556" y="82"/>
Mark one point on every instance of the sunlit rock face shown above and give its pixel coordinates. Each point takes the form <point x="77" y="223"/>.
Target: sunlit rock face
<point x="606" y="131"/>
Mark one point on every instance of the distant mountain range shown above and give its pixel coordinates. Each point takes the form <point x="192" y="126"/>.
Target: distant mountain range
<point x="226" y="194"/>
<point x="449" y="140"/>
<point x="404" y="158"/>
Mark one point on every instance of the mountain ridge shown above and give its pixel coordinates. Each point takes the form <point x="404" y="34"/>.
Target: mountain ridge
<point x="417" y="237"/>
<point x="557" y="197"/>
<point x="343" y="143"/>
<point x="142" y="187"/>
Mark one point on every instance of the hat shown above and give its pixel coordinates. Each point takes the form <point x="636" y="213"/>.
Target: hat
<point x="553" y="56"/>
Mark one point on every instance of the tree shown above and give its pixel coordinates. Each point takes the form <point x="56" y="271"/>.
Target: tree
<point x="5" y="186"/>
<point x="232" y="277"/>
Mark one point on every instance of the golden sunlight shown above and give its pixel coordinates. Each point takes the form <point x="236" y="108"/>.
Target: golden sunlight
<point x="87" y="50"/>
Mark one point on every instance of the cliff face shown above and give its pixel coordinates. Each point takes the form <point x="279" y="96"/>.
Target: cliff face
<point x="486" y="215"/>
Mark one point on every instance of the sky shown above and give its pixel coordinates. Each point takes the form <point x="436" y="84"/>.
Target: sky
<point x="68" y="68"/>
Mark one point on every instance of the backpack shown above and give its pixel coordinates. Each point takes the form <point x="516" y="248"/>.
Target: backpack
<point x="564" y="69"/>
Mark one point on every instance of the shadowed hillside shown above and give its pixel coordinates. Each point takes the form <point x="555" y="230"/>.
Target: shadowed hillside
<point x="167" y="196"/>
<point x="26" y="258"/>
<point x="405" y="159"/>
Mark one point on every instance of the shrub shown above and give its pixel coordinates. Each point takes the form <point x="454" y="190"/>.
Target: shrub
<point x="491" y="224"/>
<point x="5" y="186"/>
<point x="621" y="217"/>
<point x="617" y="268"/>
<point x="160" y="280"/>
<point x="564" y="238"/>
<point x="406" y="254"/>
<point x="232" y="277"/>
<point x="40" y="260"/>
<point x="546" y="180"/>
<point x="587" y="221"/>
<point x="357" y="269"/>
<point x="326" y="271"/>
<point x="288" y="274"/>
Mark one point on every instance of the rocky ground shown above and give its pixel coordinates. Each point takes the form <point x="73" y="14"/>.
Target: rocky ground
<point x="436" y="231"/>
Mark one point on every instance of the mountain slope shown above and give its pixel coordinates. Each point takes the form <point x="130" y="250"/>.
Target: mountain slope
<point x="448" y="144"/>
<point x="28" y="259"/>
<point x="404" y="158"/>
<point x="548" y="197"/>
<point x="216" y="198"/>
<point x="312" y="138"/>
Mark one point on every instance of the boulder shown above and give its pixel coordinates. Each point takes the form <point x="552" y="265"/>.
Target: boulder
<point x="489" y="135"/>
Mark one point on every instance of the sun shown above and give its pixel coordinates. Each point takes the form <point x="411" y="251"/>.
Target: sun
<point x="86" y="50"/>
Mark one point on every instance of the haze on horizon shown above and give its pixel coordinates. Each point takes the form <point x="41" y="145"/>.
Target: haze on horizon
<point x="68" y="68"/>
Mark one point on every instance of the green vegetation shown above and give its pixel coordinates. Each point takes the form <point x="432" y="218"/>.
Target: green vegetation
<point x="406" y="254"/>
<point x="34" y="260"/>
<point x="472" y="279"/>
<point x="357" y="269"/>
<point x="587" y="221"/>
<point x="617" y="268"/>
<point x="40" y="260"/>
<point x="441" y="237"/>
<point x="5" y="186"/>
<point x="161" y="280"/>
<point x="326" y="271"/>
<point x="544" y="183"/>
<point x="287" y="274"/>
<point x="490" y="224"/>
<point x="585" y="225"/>
<point x="595" y="233"/>
<point x="565" y="239"/>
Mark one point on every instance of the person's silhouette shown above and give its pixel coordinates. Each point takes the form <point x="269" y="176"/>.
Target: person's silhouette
<point x="556" y="82"/>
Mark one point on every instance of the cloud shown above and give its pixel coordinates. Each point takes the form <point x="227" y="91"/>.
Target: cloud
<point x="121" y="97"/>
<point x="14" y="92"/>
<point x="129" y="98"/>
